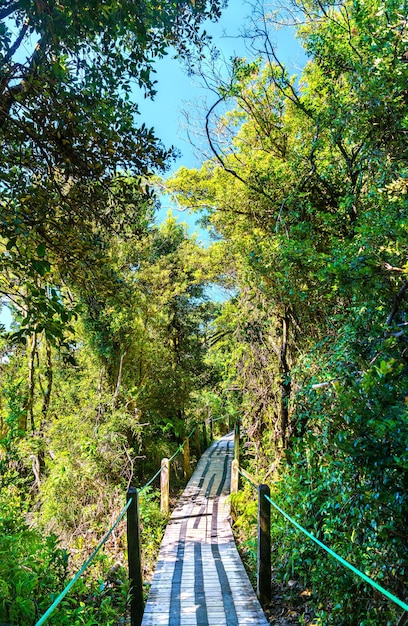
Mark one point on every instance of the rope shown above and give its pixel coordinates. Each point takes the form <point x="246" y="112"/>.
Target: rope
<point x="216" y="419"/>
<point x="181" y="446"/>
<point x="176" y="452"/>
<point x="150" y="481"/>
<point x="247" y="479"/>
<point x="63" y="593"/>
<point x="192" y="433"/>
<point x="351" y="567"/>
<point x="376" y="586"/>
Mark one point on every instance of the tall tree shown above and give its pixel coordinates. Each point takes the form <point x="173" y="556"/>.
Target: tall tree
<point x="150" y="329"/>
<point x="68" y="129"/>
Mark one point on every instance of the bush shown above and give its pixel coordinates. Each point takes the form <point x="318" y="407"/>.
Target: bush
<point x="32" y="568"/>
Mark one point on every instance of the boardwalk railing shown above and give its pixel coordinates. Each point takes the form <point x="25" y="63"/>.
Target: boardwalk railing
<point x="264" y="571"/>
<point x="131" y="509"/>
<point x="264" y="532"/>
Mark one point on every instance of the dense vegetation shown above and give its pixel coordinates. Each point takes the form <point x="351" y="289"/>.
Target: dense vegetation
<point x="307" y="188"/>
<point x="106" y="347"/>
<point x="116" y="347"/>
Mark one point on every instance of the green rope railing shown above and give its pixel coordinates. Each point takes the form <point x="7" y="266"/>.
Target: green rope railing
<point x="181" y="446"/>
<point x="64" y="592"/>
<point x="149" y="482"/>
<point x="351" y="567"/>
<point x="191" y="434"/>
<point x="336" y="556"/>
<point x="215" y="419"/>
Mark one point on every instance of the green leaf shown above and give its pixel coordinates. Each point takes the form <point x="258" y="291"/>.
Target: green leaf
<point x="11" y="243"/>
<point x="41" y="250"/>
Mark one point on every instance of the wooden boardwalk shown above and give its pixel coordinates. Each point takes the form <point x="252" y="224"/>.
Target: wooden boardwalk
<point x="200" y="579"/>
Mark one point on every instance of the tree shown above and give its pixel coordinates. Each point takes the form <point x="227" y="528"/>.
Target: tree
<point x="73" y="158"/>
<point x="150" y="330"/>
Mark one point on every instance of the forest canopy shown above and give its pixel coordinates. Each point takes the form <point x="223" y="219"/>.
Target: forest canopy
<point x="75" y="157"/>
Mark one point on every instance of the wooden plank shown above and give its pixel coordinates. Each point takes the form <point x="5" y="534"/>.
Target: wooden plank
<point x="199" y="578"/>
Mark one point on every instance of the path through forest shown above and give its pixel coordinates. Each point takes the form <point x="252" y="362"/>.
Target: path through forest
<point x="200" y="579"/>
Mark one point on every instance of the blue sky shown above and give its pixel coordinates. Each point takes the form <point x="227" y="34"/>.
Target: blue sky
<point x="176" y="90"/>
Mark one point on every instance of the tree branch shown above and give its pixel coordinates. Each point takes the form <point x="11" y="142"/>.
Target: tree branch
<point x="6" y="11"/>
<point x="12" y="92"/>
<point x="397" y="303"/>
<point x="221" y="160"/>
<point x="17" y="42"/>
<point x="211" y="144"/>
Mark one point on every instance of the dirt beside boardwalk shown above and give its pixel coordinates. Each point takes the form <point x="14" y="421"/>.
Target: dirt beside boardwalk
<point x="289" y="605"/>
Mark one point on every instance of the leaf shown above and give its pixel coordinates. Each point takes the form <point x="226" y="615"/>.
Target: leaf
<point x="41" y="250"/>
<point x="42" y="267"/>
<point x="11" y="243"/>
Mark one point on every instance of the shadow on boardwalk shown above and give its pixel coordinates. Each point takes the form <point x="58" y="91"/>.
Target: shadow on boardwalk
<point x="199" y="578"/>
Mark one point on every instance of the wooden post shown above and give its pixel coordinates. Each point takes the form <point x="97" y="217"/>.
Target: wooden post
<point x="264" y="574"/>
<point x="186" y="450"/>
<point x="134" y="560"/>
<point x="205" y="440"/>
<point x="236" y="440"/>
<point x="164" y="486"/>
<point x="234" y="476"/>
<point x="197" y="441"/>
<point x="211" y="430"/>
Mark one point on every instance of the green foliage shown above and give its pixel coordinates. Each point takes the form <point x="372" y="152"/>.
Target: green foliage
<point x="155" y="321"/>
<point x="308" y="191"/>
<point x="110" y="315"/>
<point x="244" y="512"/>
<point x="32" y="567"/>
<point x="74" y="159"/>
<point x="10" y="426"/>
<point x="152" y="526"/>
<point x="308" y="195"/>
<point x="137" y="337"/>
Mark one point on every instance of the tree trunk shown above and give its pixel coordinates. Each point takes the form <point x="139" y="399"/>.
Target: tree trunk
<point x="284" y="384"/>
<point x="29" y="413"/>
